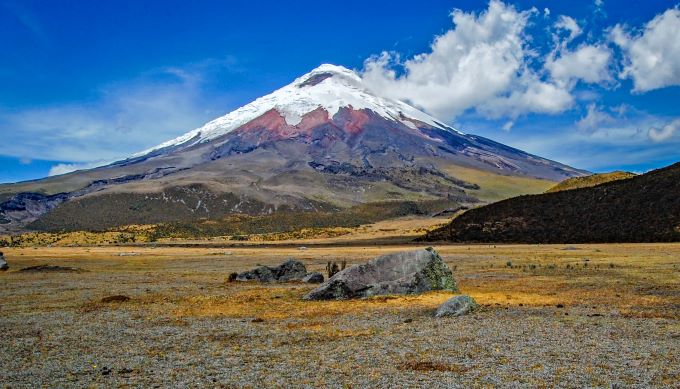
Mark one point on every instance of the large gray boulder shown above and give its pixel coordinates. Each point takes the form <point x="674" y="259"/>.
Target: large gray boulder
<point x="408" y="272"/>
<point x="3" y="264"/>
<point x="291" y="270"/>
<point x="457" y="306"/>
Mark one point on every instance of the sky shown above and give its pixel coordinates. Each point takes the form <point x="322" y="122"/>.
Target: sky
<point x="594" y="84"/>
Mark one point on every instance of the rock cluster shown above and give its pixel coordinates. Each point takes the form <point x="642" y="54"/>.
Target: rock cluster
<point x="3" y="264"/>
<point x="290" y="270"/>
<point x="408" y="272"/>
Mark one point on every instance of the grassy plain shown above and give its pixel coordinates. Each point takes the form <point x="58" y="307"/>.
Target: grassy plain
<point x="551" y="315"/>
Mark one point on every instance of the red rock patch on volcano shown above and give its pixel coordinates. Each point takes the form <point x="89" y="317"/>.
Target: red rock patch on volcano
<point x="271" y="120"/>
<point x="272" y="124"/>
<point x="357" y="121"/>
<point x="313" y="119"/>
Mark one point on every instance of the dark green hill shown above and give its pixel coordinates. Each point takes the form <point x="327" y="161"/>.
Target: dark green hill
<point x="645" y="208"/>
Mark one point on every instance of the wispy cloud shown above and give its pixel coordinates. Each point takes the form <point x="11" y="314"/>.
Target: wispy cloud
<point x="63" y="168"/>
<point x="27" y="18"/>
<point x="664" y="133"/>
<point x="594" y="119"/>
<point x="125" y="118"/>
<point x="607" y="137"/>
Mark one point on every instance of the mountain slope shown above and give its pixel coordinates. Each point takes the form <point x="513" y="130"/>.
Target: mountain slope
<point x="588" y="181"/>
<point x="324" y="142"/>
<point x="645" y="208"/>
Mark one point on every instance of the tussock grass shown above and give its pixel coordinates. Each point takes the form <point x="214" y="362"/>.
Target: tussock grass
<point x="278" y="303"/>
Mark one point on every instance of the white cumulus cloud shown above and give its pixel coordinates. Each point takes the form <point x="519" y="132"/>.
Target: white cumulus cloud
<point x="589" y="63"/>
<point x="481" y="63"/>
<point x="652" y="56"/>
<point x="486" y="63"/>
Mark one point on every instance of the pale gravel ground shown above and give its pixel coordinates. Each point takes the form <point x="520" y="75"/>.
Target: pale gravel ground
<point x="511" y="348"/>
<point x="53" y="333"/>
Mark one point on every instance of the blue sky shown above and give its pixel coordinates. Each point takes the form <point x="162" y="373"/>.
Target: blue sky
<point x="590" y="83"/>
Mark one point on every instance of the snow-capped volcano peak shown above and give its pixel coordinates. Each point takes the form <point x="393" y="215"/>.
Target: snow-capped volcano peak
<point x="329" y="87"/>
<point x="324" y="142"/>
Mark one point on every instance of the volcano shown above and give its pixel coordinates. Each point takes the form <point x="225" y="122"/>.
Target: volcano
<point x="325" y="142"/>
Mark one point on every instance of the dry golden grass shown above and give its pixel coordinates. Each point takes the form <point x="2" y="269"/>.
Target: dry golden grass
<point x="123" y="235"/>
<point x="640" y="280"/>
<point x="274" y="303"/>
<point x="394" y="230"/>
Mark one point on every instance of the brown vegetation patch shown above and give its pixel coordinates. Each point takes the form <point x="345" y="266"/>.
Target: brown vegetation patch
<point x="425" y="366"/>
<point x="119" y="298"/>
<point x="51" y="269"/>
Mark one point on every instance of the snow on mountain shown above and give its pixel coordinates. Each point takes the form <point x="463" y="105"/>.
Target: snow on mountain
<point x="329" y="87"/>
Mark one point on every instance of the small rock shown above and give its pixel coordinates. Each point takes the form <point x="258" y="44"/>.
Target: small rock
<point x="232" y="277"/>
<point x="409" y="320"/>
<point x="119" y="298"/>
<point x="3" y="264"/>
<point x="456" y="306"/>
<point x="105" y="370"/>
<point x="560" y="305"/>
<point x="313" y="278"/>
<point x="257" y="320"/>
